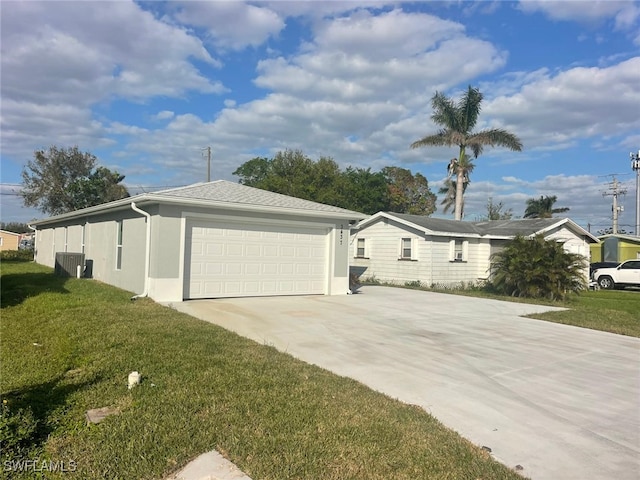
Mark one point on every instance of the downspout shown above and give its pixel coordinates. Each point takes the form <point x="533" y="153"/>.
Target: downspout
<point x="34" y="240"/>
<point x="147" y="259"/>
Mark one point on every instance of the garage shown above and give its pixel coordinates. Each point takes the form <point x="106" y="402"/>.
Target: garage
<point x="251" y="259"/>
<point x="208" y="240"/>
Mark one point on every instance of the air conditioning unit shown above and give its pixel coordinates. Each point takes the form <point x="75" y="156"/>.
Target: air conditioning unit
<point x="458" y="256"/>
<point x="67" y="264"/>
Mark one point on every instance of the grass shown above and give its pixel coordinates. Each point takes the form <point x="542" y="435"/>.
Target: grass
<point x="615" y="311"/>
<point x="67" y="345"/>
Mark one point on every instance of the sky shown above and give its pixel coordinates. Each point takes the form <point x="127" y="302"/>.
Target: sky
<point x="148" y="86"/>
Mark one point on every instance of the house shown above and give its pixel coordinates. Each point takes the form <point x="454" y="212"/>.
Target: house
<point x="404" y="248"/>
<point x="616" y="248"/>
<point x="9" y="240"/>
<point x="208" y="240"/>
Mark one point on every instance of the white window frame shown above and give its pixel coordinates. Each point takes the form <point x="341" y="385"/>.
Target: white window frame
<point x="363" y="248"/>
<point x="1" y="241"/>
<point x="119" y="234"/>
<point x="66" y="237"/>
<point x="82" y="238"/>
<point x="403" y="248"/>
<point x="458" y="250"/>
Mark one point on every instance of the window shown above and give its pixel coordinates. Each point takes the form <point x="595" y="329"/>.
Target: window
<point x="82" y="238"/>
<point x="360" y="250"/>
<point x="119" y="245"/>
<point x="405" y="249"/>
<point x="458" y="250"/>
<point x="1" y="241"/>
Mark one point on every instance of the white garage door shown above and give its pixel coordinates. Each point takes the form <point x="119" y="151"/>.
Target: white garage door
<point x="245" y="260"/>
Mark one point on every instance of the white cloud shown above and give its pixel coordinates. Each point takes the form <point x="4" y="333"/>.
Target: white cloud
<point x="59" y="59"/>
<point x="232" y="25"/>
<point x="576" y="103"/>
<point x="575" y="10"/>
<point x="164" y="115"/>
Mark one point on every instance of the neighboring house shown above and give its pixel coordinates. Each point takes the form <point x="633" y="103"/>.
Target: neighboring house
<point x="208" y="240"/>
<point x="403" y="248"/>
<point x="9" y="240"/>
<point x="616" y="248"/>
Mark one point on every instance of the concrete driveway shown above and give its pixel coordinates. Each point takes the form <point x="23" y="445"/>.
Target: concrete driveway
<point x="562" y="402"/>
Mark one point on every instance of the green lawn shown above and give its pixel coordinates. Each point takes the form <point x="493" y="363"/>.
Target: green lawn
<point x="615" y="311"/>
<point x="68" y="345"/>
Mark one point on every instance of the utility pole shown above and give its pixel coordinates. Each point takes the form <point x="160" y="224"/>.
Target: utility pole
<point x="615" y="190"/>
<point x="208" y="149"/>
<point x="635" y="166"/>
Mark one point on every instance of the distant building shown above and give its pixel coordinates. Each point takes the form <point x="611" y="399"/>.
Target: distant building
<point x="616" y="248"/>
<point x="9" y="240"/>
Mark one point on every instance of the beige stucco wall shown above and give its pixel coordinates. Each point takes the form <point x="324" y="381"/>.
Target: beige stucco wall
<point x="9" y="241"/>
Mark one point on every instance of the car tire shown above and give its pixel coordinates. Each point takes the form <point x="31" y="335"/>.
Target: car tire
<point x="606" y="283"/>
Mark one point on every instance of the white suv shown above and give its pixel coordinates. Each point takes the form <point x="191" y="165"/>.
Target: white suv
<point x="627" y="274"/>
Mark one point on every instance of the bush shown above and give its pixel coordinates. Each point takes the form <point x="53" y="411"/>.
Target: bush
<point x="413" y="284"/>
<point x="537" y="268"/>
<point x="16" y="255"/>
<point x="17" y="428"/>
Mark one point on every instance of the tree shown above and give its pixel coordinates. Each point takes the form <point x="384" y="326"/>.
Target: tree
<point x="365" y="191"/>
<point x="409" y="193"/>
<point x="537" y="268"/>
<point x="458" y="121"/>
<point x="543" y="207"/>
<point x="293" y="173"/>
<point x="253" y="172"/>
<point x="603" y="231"/>
<point x="61" y="180"/>
<point x="449" y="191"/>
<point x="15" y="227"/>
<point x="494" y="211"/>
<point x="101" y="186"/>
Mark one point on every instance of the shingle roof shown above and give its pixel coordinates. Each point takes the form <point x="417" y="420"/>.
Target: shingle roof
<point x="228" y="192"/>
<point x="493" y="228"/>
<point x="438" y="224"/>
<point x="525" y="226"/>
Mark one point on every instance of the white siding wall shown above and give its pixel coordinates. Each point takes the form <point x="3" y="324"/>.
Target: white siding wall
<point x="431" y="263"/>
<point x="572" y="243"/>
<point x="382" y="247"/>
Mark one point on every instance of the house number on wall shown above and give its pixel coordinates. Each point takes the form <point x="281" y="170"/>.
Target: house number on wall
<point x="341" y="233"/>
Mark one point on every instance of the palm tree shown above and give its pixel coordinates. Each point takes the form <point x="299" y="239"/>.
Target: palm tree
<point x="449" y="191"/>
<point x="543" y="207"/>
<point x="457" y="121"/>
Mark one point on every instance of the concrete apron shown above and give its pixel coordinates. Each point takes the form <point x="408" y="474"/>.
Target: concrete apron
<point x="559" y="401"/>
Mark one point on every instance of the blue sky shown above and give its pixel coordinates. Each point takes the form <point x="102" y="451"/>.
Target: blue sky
<point x="146" y="86"/>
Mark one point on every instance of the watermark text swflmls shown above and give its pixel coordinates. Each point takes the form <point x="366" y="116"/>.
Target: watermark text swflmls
<point x="37" y="465"/>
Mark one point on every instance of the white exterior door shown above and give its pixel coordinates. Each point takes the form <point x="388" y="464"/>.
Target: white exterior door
<point x="248" y="260"/>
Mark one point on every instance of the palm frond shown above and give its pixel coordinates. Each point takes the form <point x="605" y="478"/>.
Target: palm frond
<point x="444" y="111"/>
<point x="469" y="109"/>
<point x="440" y="139"/>
<point x="495" y="137"/>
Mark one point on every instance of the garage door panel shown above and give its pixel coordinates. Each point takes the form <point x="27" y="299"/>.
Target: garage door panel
<point x="213" y="249"/>
<point x="229" y="260"/>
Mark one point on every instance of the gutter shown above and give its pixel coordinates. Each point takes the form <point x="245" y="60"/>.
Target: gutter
<point x="147" y="259"/>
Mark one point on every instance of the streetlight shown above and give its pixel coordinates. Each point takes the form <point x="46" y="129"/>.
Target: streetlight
<point x="635" y="165"/>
